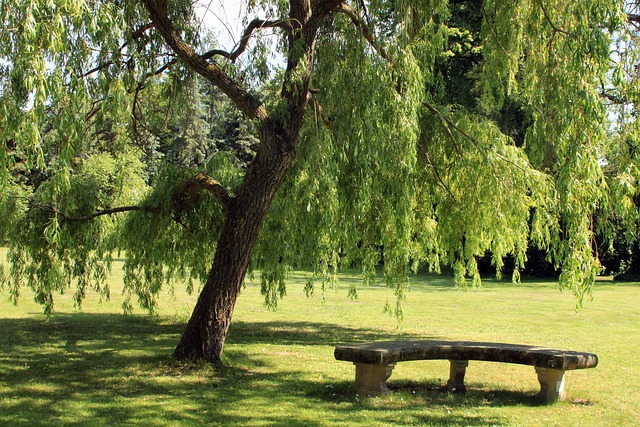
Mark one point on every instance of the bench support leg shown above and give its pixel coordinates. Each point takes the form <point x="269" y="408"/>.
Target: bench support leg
<point x="456" y="376"/>
<point x="372" y="379"/>
<point x="551" y="384"/>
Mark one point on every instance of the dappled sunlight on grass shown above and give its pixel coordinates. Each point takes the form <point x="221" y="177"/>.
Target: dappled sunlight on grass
<point x="96" y="366"/>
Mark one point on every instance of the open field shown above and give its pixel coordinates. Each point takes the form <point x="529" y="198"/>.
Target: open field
<point x="96" y="366"/>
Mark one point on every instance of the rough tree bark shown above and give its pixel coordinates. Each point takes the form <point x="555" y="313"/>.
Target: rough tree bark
<point x="207" y="328"/>
<point x="204" y="336"/>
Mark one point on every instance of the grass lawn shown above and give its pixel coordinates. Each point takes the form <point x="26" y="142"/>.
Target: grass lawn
<point x="96" y="366"/>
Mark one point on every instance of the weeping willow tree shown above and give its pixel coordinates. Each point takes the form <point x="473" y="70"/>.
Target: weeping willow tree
<point x="364" y="157"/>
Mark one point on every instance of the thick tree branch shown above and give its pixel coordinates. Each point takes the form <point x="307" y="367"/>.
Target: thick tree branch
<point x="111" y="211"/>
<point x="256" y="24"/>
<point x="98" y="67"/>
<point x="140" y="31"/>
<point x="161" y="69"/>
<point x="247" y="103"/>
<point x="207" y="183"/>
<point x="184" y="197"/>
<point x="322" y="8"/>
<point x="187" y="194"/>
<point x="618" y="100"/>
<point x="615" y="99"/>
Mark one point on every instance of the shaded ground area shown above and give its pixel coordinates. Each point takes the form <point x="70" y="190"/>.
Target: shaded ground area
<point x="96" y="369"/>
<point x="100" y="368"/>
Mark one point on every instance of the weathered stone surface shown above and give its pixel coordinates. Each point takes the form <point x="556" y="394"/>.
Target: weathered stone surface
<point x="375" y="361"/>
<point x="384" y="352"/>
<point x="551" y="384"/>
<point x="457" y="370"/>
<point x="372" y="379"/>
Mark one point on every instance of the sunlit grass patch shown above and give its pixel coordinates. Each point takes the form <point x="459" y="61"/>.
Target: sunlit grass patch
<point x="97" y="366"/>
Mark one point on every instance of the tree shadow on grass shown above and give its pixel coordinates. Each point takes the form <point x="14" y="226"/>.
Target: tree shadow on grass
<point x="476" y="394"/>
<point x="97" y="369"/>
<point x="308" y="334"/>
<point x="430" y="392"/>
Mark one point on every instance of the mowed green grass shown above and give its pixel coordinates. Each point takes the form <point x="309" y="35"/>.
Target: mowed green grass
<point x="97" y="366"/>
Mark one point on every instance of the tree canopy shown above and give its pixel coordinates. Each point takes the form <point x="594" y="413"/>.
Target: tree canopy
<point x="385" y="132"/>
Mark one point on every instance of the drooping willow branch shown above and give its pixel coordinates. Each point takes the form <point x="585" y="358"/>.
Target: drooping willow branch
<point x="184" y="197"/>
<point x="366" y="32"/>
<point x="448" y="125"/>
<point x="318" y="111"/>
<point x="550" y="21"/>
<point x="436" y="173"/>
<point x="373" y="41"/>
<point x="134" y="36"/>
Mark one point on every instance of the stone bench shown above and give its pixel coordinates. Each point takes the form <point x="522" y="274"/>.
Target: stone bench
<point x="375" y="360"/>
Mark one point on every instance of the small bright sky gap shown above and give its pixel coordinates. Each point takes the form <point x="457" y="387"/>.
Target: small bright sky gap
<point x="224" y="19"/>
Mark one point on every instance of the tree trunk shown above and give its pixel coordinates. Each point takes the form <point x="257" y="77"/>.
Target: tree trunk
<point x="206" y="331"/>
<point x="203" y="338"/>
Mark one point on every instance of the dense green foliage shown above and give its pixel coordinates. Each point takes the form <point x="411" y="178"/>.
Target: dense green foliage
<point x="436" y="133"/>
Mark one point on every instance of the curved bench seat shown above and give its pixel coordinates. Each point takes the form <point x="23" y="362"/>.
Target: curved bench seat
<point x="375" y="361"/>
